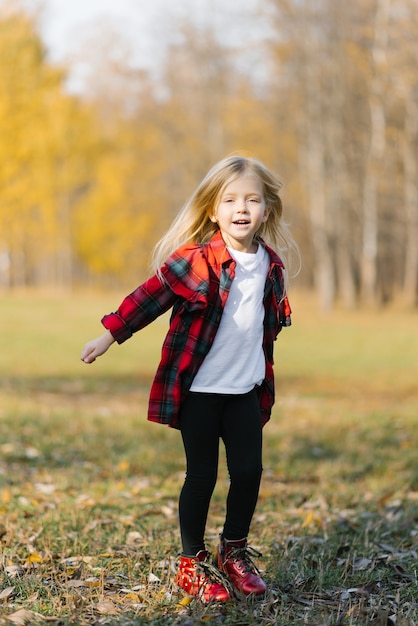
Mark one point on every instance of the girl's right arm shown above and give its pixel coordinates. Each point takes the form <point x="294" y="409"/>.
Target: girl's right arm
<point x="137" y="310"/>
<point x="97" y="347"/>
<point x="149" y="301"/>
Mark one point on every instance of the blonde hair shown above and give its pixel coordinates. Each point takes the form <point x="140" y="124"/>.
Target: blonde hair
<point x="194" y="224"/>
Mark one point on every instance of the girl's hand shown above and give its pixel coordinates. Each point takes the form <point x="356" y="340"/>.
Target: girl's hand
<point x="97" y="347"/>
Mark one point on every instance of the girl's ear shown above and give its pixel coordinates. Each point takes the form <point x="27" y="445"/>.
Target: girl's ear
<point x="213" y="218"/>
<point x="266" y="213"/>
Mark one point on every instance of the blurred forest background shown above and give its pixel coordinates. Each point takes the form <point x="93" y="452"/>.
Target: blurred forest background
<point x="325" y="92"/>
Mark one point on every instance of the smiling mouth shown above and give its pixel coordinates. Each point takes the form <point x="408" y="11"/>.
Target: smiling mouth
<point x="241" y="222"/>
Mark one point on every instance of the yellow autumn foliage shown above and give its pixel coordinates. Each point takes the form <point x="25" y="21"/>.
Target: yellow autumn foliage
<point x="89" y="182"/>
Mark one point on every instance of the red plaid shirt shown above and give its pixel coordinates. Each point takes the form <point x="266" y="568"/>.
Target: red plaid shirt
<point x="197" y="279"/>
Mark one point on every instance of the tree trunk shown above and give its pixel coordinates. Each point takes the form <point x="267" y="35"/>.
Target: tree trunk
<point x="341" y="195"/>
<point x="409" y="155"/>
<point x="368" y="268"/>
<point x="324" y="270"/>
<point x="314" y="156"/>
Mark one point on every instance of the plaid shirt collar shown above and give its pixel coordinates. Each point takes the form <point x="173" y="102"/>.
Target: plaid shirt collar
<point x="222" y="256"/>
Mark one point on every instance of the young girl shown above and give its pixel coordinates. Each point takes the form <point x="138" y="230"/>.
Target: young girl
<point x="227" y="291"/>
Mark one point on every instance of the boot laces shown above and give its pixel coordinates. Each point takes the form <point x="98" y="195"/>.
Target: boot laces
<point x="212" y="574"/>
<point x="244" y="555"/>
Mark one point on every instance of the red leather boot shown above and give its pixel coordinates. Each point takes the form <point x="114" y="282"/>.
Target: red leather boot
<point x="198" y="577"/>
<point x="234" y="558"/>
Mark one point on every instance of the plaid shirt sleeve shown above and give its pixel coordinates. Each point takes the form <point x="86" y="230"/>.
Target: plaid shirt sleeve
<point x="140" y="308"/>
<point x="185" y="278"/>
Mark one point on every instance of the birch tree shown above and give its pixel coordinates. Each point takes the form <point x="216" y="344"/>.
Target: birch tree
<point x="404" y="60"/>
<point x="375" y="153"/>
<point x="409" y="157"/>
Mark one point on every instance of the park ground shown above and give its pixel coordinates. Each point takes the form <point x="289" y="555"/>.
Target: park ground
<point x="88" y="488"/>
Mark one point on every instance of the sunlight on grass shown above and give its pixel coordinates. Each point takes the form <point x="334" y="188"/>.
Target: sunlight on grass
<point x="88" y="488"/>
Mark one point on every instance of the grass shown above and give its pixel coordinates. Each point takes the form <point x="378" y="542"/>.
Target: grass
<point x="88" y="488"/>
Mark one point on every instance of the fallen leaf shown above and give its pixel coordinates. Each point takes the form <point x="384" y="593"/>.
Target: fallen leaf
<point x="123" y="466"/>
<point x="360" y="564"/>
<point x="13" y="570"/>
<point x="7" y="593"/>
<point x="34" y="557"/>
<point x="92" y="582"/>
<point x="401" y="572"/>
<point x="32" y="453"/>
<point x="168" y="511"/>
<point x="387" y="547"/>
<point x="45" y="488"/>
<point x="6" y="495"/>
<point x="76" y="583"/>
<point x="131" y="596"/>
<point x="312" y="518"/>
<point x="133" y="538"/>
<point x="22" y="617"/>
<point x="33" y="597"/>
<point x="385" y="498"/>
<point x="152" y="578"/>
<point x="106" y="607"/>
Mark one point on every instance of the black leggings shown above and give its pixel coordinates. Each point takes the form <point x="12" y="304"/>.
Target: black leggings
<point x="206" y="418"/>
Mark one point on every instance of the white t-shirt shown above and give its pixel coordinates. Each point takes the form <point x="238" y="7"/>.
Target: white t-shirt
<point x="235" y="362"/>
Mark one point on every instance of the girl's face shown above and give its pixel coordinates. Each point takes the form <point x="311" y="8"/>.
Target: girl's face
<point x="241" y="211"/>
